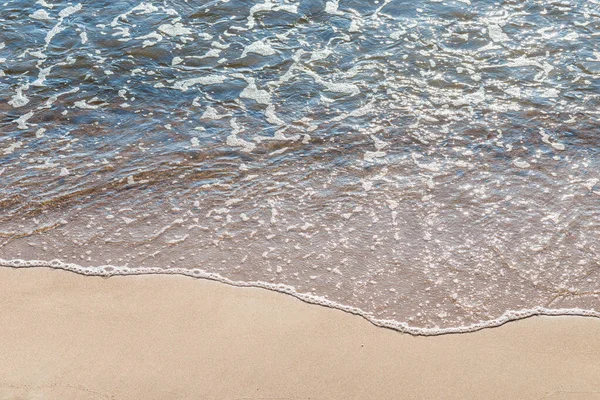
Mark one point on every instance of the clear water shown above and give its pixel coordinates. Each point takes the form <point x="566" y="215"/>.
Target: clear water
<point x="430" y="165"/>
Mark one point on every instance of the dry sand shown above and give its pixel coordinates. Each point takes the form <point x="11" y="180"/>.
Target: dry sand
<point x="65" y="336"/>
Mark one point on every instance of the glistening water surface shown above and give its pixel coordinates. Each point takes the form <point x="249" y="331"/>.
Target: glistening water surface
<point x="431" y="165"/>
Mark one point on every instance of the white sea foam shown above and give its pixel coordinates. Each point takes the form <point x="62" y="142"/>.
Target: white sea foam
<point x="70" y="10"/>
<point x="19" y="99"/>
<point x="22" y="120"/>
<point x="112" y="270"/>
<point x="176" y="29"/>
<point x="253" y="93"/>
<point x="186" y="84"/>
<point x="269" y="5"/>
<point x="496" y="33"/>
<point x="41" y="15"/>
<point x="261" y="47"/>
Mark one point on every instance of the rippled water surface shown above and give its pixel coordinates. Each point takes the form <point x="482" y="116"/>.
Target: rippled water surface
<point x="431" y="165"/>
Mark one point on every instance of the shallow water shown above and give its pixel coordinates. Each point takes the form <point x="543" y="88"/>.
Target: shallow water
<point x="433" y="166"/>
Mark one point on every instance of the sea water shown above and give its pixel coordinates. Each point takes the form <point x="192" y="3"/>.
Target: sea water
<point x="430" y="165"/>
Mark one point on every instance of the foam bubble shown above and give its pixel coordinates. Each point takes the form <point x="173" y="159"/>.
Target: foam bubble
<point x="41" y="15"/>
<point x="19" y="99"/>
<point x="176" y="29"/>
<point x="253" y="93"/>
<point x="261" y="47"/>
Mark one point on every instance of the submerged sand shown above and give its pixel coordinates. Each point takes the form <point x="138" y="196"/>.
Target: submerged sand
<point x="68" y="336"/>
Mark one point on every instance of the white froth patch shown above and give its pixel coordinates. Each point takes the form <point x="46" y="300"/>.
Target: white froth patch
<point x="554" y="217"/>
<point x="11" y="148"/>
<point x="331" y="7"/>
<point x="122" y="31"/>
<point x="22" y="120"/>
<point x="195" y="142"/>
<point x="590" y="183"/>
<point x="571" y="36"/>
<point x="83" y="37"/>
<point x="523" y="61"/>
<point x="234" y="141"/>
<point x="379" y="144"/>
<point x="19" y="99"/>
<point x="549" y="93"/>
<point x="56" y="29"/>
<point x="38" y="54"/>
<point x="41" y="80"/>
<point x="496" y="34"/>
<point x="370" y="156"/>
<point x="392" y="204"/>
<point x="320" y="54"/>
<point x="212" y="114"/>
<point x="186" y="84"/>
<point x="269" y="5"/>
<point x="176" y="29"/>
<point x="44" y="4"/>
<point x="218" y="45"/>
<point x="345" y="88"/>
<point x="83" y="104"/>
<point x="261" y="47"/>
<point x="432" y="166"/>
<point x="64" y="13"/>
<point x="521" y="163"/>
<point x="513" y="91"/>
<point x="53" y="99"/>
<point x="253" y="93"/>
<point x="212" y="53"/>
<point x="272" y="118"/>
<point x="336" y="87"/>
<point x="234" y="125"/>
<point x="140" y="9"/>
<point x="397" y="34"/>
<point x="145" y="8"/>
<point x="41" y="15"/>
<point x="546" y="139"/>
<point x="356" y="25"/>
<point x="157" y="37"/>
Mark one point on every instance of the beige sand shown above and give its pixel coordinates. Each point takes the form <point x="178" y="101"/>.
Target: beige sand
<point x="65" y="336"/>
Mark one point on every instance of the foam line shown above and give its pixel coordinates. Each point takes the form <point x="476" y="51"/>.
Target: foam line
<point x="111" y="270"/>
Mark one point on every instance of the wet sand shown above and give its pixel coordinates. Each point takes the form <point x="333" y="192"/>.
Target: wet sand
<point x="170" y="337"/>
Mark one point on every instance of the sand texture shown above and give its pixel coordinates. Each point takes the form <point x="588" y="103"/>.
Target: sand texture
<point x="65" y="336"/>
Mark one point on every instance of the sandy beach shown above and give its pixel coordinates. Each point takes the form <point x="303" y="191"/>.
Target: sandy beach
<point x="431" y="166"/>
<point x="66" y="336"/>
